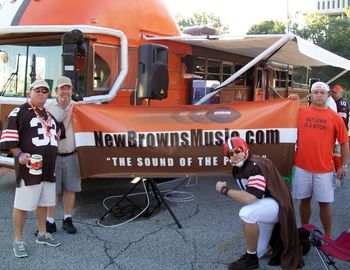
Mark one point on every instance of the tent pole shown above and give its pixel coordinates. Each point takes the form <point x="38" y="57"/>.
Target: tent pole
<point x="337" y="76"/>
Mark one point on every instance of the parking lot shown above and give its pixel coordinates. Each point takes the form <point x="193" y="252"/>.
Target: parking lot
<point x="210" y="238"/>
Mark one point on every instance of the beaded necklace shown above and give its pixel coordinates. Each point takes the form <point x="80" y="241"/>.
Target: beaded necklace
<point x="47" y="123"/>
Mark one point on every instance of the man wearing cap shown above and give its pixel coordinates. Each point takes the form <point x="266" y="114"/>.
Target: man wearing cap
<point x="318" y="128"/>
<point x="30" y="129"/>
<point x="342" y="104"/>
<point x="342" y="107"/>
<point x="67" y="165"/>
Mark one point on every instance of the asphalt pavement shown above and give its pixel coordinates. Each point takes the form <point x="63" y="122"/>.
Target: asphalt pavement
<point x="210" y="238"/>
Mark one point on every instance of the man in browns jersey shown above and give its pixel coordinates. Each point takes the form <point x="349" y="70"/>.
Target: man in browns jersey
<point x="343" y="111"/>
<point x="267" y="202"/>
<point x="342" y="104"/>
<point x="30" y="129"/>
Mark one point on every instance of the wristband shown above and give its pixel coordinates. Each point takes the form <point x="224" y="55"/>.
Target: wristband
<point x="19" y="154"/>
<point x="224" y="190"/>
<point x="344" y="166"/>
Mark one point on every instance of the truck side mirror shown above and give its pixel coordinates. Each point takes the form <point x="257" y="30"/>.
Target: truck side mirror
<point x="72" y="46"/>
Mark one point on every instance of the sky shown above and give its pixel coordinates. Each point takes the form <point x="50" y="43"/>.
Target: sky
<point x="241" y="14"/>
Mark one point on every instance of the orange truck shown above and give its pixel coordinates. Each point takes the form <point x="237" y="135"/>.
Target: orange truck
<point x="130" y="63"/>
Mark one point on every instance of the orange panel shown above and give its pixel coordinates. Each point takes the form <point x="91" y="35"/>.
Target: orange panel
<point x="131" y="17"/>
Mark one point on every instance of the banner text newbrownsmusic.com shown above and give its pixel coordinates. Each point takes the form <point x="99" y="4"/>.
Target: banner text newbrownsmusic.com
<point x="194" y="137"/>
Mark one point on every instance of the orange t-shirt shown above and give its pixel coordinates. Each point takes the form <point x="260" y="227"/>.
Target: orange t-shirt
<point x="317" y="131"/>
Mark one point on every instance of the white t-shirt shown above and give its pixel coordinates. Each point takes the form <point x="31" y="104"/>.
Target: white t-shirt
<point x="331" y="104"/>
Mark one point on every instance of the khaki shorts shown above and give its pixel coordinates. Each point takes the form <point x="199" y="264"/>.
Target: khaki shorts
<point x="320" y="186"/>
<point x="28" y="198"/>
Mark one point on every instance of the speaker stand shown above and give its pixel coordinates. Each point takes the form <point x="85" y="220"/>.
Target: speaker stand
<point x="157" y="194"/>
<point x="160" y="199"/>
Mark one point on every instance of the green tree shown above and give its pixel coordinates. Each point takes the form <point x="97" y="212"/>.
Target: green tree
<point x="202" y="18"/>
<point x="267" y="27"/>
<point x="331" y="33"/>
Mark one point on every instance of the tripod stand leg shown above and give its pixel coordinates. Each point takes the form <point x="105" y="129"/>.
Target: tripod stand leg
<point x="115" y="206"/>
<point x="150" y="211"/>
<point x="162" y="200"/>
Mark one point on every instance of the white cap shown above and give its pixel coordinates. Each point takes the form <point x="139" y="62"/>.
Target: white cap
<point x="320" y="86"/>
<point x="64" y="81"/>
<point x="39" y="83"/>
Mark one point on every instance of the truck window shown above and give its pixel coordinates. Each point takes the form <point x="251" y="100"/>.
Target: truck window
<point x="106" y="66"/>
<point x="215" y="69"/>
<point x="20" y="64"/>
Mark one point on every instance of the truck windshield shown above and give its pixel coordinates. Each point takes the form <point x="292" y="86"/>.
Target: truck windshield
<point x="20" y="64"/>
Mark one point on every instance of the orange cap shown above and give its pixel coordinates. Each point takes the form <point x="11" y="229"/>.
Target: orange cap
<point x="337" y="88"/>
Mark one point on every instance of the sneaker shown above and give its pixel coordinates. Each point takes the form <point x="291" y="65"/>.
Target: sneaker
<point x="247" y="261"/>
<point x="67" y="225"/>
<point x="50" y="227"/>
<point x="47" y="239"/>
<point x="19" y="249"/>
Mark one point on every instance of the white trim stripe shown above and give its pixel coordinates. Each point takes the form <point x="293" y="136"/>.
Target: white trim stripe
<point x="9" y="135"/>
<point x="286" y="135"/>
<point x="8" y="12"/>
<point x="257" y="181"/>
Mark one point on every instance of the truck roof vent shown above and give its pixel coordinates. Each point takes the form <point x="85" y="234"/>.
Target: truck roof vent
<point x="200" y="31"/>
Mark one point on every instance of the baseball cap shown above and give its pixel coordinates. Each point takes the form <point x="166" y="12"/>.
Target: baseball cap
<point x="319" y="86"/>
<point x="64" y="81"/>
<point x="39" y="83"/>
<point x="337" y="88"/>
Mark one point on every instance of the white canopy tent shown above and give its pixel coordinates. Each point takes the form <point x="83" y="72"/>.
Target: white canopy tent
<point x="288" y="49"/>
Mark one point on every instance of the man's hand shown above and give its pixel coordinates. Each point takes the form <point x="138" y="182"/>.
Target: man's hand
<point x="24" y="158"/>
<point x="81" y="102"/>
<point x="220" y="185"/>
<point x="341" y="173"/>
<point x="294" y="96"/>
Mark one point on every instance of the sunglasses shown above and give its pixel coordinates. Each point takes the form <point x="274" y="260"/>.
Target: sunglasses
<point x="41" y="90"/>
<point x="233" y="152"/>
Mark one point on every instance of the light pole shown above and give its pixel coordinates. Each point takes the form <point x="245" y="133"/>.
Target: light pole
<point x="288" y="16"/>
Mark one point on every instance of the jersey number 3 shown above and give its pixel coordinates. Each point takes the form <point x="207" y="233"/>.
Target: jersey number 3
<point x="42" y="138"/>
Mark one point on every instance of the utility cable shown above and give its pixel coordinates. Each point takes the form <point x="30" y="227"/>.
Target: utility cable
<point x="131" y="219"/>
<point x="171" y="195"/>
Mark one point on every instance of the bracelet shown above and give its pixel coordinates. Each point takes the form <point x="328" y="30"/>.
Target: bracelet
<point x="344" y="166"/>
<point x="19" y="154"/>
<point x="224" y="190"/>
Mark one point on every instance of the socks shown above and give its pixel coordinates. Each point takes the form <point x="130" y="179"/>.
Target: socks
<point x="50" y="220"/>
<point x="251" y="252"/>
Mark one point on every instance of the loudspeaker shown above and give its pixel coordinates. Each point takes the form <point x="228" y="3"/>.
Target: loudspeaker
<point x="153" y="77"/>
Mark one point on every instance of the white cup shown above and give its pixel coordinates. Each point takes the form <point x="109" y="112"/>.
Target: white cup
<point x="35" y="164"/>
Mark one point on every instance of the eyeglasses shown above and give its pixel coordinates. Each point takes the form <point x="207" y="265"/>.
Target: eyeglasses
<point x="233" y="152"/>
<point x="41" y="90"/>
